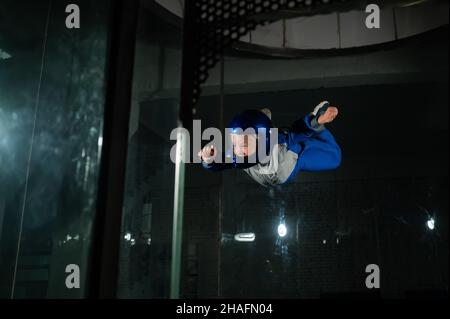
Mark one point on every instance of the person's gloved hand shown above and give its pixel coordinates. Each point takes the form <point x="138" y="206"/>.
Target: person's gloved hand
<point x="207" y="154"/>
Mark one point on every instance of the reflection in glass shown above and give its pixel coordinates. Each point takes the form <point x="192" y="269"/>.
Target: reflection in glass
<point x="146" y="244"/>
<point x="51" y="121"/>
<point x="387" y="204"/>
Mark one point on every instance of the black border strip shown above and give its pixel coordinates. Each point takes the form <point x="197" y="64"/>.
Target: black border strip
<point x="105" y="249"/>
<point x="188" y="67"/>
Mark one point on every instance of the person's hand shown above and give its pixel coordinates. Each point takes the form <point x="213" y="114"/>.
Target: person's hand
<point x="208" y="153"/>
<point x="328" y="116"/>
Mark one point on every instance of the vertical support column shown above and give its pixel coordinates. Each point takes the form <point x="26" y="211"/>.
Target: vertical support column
<point x="177" y="235"/>
<point x="338" y="16"/>
<point x="190" y="53"/>
<point x="185" y="117"/>
<point x="394" y="16"/>
<point x="221" y="181"/>
<point x="104" y="255"/>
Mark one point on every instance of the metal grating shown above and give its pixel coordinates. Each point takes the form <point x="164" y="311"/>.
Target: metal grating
<point x="218" y="23"/>
<point x="213" y="25"/>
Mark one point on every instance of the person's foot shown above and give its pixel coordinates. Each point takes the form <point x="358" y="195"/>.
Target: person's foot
<point x="329" y="115"/>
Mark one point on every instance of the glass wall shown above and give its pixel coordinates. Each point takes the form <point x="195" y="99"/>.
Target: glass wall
<point x="387" y="203"/>
<point x="375" y="209"/>
<point x="52" y="82"/>
<point x="146" y="238"/>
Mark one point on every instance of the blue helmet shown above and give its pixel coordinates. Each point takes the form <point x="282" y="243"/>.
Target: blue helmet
<point x="254" y="119"/>
<point x="251" y="119"/>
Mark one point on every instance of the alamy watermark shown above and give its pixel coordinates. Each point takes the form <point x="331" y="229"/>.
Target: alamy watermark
<point x="73" y="19"/>
<point x="263" y="142"/>
<point x="73" y="277"/>
<point x="373" y="19"/>
<point x="373" y="279"/>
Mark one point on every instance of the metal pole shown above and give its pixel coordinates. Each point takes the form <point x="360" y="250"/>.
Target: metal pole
<point x="177" y="235"/>
<point x="221" y="180"/>
<point x="105" y="251"/>
<point x="185" y="117"/>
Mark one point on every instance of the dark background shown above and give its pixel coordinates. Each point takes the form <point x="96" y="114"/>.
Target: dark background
<point x="373" y="209"/>
<point x="393" y="131"/>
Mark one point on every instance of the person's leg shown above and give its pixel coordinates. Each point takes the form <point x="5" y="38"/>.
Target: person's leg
<point x="320" y="152"/>
<point x="315" y="145"/>
<point x="308" y="126"/>
<point x="317" y="153"/>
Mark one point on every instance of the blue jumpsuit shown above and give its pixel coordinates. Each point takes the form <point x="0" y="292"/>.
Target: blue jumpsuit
<point x="307" y="147"/>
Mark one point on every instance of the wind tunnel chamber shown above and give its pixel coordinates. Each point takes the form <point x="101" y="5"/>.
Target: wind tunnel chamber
<point x="387" y="204"/>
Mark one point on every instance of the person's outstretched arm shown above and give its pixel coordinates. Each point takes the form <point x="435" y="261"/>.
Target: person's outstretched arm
<point x="208" y="155"/>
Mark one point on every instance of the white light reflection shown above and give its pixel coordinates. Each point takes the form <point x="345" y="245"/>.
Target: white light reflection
<point x="282" y="230"/>
<point x="245" y="237"/>
<point x="431" y="224"/>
